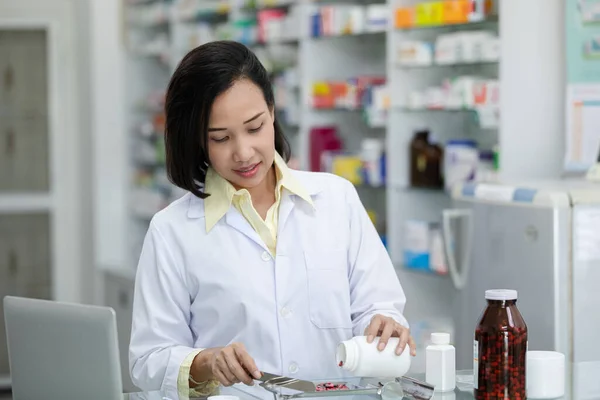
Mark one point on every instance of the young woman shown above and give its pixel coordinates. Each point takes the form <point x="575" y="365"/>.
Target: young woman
<point x="259" y="267"/>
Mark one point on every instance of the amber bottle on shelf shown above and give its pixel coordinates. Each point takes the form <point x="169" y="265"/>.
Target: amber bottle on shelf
<point x="425" y="162"/>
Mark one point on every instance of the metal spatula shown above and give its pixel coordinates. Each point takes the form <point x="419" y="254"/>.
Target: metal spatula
<point x="285" y="382"/>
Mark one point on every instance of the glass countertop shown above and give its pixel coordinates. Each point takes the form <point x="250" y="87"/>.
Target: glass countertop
<point x="256" y="392"/>
<point x="463" y="391"/>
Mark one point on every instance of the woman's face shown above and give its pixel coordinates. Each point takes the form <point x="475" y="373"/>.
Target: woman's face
<point x="241" y="136"/>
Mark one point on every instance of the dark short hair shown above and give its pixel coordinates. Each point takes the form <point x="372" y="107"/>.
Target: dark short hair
<point x="202" y="75"/>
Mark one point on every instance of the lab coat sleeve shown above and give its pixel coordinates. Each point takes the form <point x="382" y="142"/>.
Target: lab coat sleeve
<point x="160" y="335"/>
<point x="374" y="285"/>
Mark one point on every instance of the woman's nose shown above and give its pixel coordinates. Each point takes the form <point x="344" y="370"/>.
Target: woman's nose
<point x="243" y="151"/>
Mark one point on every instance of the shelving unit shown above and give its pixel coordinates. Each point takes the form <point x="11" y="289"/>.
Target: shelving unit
<point x="426" y="311"/>
<point x="444" y="122"/>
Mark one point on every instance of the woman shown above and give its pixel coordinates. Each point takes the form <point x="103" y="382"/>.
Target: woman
<point x="258" y="267"/>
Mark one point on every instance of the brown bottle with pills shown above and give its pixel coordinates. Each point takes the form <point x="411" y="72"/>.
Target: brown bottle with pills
<point x="500" y="349"/>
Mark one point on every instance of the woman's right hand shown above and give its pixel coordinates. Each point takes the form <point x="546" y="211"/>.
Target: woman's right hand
<point x="232" y="364"/>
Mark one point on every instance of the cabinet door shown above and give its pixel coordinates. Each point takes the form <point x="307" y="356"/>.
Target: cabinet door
<point x="119" y="295"/>
<point x="23" y="111"/>
<point x="7" y="76"/>
<point x="4" y="250"/>
<point x="8" y="258"/>
<point x="28" y="59"/>
<point x="7" y="153"/>
<point x="30" y="155"/>
<point x="25" y="264"/>
<point x="24" y="155"/>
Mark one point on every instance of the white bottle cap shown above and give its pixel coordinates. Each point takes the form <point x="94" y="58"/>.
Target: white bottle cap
<point x="440" y="338"/>
<point x="501" y="294"/>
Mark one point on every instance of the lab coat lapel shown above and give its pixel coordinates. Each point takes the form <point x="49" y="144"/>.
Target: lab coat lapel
<point x="237" y="221"/>
<point x="285" y="208"/>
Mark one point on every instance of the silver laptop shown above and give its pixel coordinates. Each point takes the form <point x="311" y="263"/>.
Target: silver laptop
<point x="62" y="351"/>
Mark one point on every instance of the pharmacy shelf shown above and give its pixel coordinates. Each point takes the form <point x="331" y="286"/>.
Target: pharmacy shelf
<point x="414" y="84"/>
<point x="422" y="82"/>
<point x="455" y="26"/>
<point x="379" y="32"/>
<point x="25" y="203"/>
<point x="450" y="65"/>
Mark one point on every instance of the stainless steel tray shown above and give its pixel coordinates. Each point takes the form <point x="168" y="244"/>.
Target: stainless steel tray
<point x="404" y="387"/>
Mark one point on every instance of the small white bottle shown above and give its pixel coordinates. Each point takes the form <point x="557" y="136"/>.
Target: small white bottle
<point x="440" y="363"/>
<point x="363" y="359"/>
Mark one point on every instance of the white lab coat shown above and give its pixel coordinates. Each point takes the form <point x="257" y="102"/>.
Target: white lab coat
<point x="330" y="276"/>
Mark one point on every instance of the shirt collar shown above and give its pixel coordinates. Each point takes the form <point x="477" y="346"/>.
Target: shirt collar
<point x="222" y="192"/>
<point x="287" y="180"/>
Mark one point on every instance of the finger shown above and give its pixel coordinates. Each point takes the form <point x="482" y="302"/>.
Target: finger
<point x="386" y="333"/>
<point x="224" y="368"/>
<point x="373" y="328"/>
<point x="404" y="335"/>
<point x="221" y="378"/>
<point x="248" y="363"/>
<point x="412" y="345"/>
<point x="236" y="368"/>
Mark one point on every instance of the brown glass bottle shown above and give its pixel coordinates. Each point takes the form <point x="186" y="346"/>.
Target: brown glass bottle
<point x="418" y="160"/>
<point x="500" y="349"/>
<point x="425" y="162"/>
<point x="433" y="171"/>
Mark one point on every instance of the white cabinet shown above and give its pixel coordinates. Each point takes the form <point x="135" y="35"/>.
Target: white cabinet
<point x="44" y="152"/>
<point x="118" y="294"/>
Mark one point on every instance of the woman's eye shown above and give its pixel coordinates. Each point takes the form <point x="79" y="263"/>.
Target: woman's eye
<point x="254" y="130"/>
<point x="219" y="140"/>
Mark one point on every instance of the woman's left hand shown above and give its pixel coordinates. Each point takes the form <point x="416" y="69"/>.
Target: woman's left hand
<point x="387" y="327"/>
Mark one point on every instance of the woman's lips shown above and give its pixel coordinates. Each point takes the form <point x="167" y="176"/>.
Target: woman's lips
<point x="247" y="172"/>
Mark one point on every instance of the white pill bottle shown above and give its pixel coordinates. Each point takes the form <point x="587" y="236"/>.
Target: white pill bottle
<point x="363" y="359"/>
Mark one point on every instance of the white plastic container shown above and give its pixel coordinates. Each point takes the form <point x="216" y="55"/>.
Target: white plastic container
<point x="414" y="53"/>
<point x="377" y="17"/>
<point x="440" y="363"/>
<point x="461" y="158"/>
<point x="371" y="153"/>
<point x="363" y="359"/>
<point x="545" y="375"/>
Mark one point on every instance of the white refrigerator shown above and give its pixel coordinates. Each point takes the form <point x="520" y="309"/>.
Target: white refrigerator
<point x="542" y="239"/>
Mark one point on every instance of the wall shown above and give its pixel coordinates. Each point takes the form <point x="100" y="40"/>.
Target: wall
<point x="109" y="132"/>
<point x="532" y="89"/>
<point x="89" y="277"/>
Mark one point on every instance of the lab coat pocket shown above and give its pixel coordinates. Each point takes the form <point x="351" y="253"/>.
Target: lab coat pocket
<point x="328" y="289"/>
